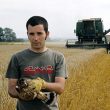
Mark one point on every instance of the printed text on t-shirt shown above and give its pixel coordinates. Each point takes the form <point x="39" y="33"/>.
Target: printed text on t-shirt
<point x="42" y="70"/>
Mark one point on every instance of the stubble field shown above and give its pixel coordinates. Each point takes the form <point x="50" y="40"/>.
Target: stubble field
<point x="88" y="83"/>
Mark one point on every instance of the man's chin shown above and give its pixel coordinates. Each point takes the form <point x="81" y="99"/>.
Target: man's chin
<point x="37" y="47"/>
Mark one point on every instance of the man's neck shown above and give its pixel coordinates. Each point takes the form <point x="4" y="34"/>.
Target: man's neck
<point x="38" y="50"/>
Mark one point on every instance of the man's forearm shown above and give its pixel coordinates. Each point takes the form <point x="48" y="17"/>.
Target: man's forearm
<point x="13" y="93"/>
<point x="58" y="88"/>
<point x="12" y="88"/>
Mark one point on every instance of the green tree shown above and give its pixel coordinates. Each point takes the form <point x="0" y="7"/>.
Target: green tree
<point x="9" y="35"/>
<point x="1" y="34"/>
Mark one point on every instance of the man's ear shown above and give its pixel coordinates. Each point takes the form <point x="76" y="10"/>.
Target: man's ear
<point x="47" y="35"/>
<point x="27" y="35"/>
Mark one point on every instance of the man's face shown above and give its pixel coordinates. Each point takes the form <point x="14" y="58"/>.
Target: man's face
<point x="37" y="35"/>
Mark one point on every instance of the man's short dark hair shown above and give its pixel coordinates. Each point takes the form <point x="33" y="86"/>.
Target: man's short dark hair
<point x="36" y="20"/>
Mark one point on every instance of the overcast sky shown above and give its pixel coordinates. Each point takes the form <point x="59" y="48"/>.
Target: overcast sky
<point x="61" y="15"/>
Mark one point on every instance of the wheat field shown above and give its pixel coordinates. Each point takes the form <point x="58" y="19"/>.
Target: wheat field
<point x="88" y="83"/>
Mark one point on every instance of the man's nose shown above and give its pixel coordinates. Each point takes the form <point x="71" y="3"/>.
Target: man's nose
<point x="36" y="37"/>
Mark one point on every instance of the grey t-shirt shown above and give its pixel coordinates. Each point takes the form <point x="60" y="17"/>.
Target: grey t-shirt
<point x="46" y="65"/>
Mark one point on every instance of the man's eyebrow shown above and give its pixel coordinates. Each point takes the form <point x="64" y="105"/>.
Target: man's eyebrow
<point x="39" y="32"/>
<point x="31" y="33"/>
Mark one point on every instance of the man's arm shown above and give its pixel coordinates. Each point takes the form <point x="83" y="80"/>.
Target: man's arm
<point x="12" y="88"/>
<point x="57" y="86"/>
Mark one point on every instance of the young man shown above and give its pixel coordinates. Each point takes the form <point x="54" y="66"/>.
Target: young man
<point x="37" y="61"/>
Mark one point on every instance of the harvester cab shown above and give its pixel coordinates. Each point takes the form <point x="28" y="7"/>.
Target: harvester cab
<point x="90" y="34"/>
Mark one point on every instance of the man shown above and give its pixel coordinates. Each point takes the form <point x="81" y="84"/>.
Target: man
<point x="37" y="61"/>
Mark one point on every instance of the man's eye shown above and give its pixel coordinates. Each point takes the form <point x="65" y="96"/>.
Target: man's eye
<point x="31" y="34"/>
<point x="39" y="33"/>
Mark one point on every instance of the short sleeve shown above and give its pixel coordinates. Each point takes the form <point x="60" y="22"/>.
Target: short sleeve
<point x="60" y="68"/>
<point x="13" y="68"/>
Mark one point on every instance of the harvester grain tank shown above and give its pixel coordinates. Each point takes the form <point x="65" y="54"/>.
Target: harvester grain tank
<point x="90" y="33"/>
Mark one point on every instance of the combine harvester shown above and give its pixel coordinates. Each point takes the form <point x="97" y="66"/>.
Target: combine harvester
<point x="90" y="34"/>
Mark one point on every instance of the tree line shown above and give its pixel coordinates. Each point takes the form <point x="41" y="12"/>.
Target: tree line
<point x="8" y="35"/>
